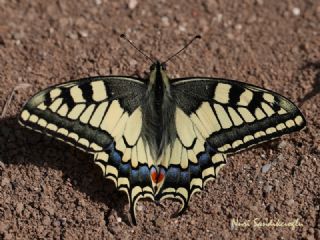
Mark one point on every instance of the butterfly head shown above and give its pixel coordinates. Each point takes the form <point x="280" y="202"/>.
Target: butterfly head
<point x="158" y="66"/>
<point x="158" y="75"/>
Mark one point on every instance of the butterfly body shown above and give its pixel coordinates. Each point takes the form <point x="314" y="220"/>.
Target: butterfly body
<point x="160" y="138"/>
<point x="158" y="111"/>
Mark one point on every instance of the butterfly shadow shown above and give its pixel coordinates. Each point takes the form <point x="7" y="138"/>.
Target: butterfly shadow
<point x="315" y="66"/>
<point x="20" y="146"/>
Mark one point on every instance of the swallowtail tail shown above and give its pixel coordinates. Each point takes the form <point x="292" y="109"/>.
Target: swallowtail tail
<point x="160" y="138"/>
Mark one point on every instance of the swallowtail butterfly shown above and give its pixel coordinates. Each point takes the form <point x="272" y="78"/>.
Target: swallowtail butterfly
<point x="160" y="138"/>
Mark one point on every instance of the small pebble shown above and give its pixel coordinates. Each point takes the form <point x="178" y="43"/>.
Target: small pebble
<point x="165" y="21"/>
<point x="63" y="221"/>
<point x="265" y="168"/>
<point x="8" y="236"/>
<point x="270" y="208"/>
<point x="50" y="210"/>
<point x="238" y="27"/>
<point x="140" y="208"/>
<point x="159" y="222"/>
<point x="5" y="181"/>
<point x="98" y="2"/>
<point x="3" y="227"/>
<point x="72" y="35"/>
<point x="56" y="223"/>
<point x="2" y="165"/>
<point x="182" y="28"/>
<point x="296" y="11"/>
<point x="267" y="188"/>
<point x="282" y="144"/>
<point x="2" y="43"/>
<point x="83" y="33"/>
<point x="230" y="36"/>
<point x="19" y="208"/>
<point x="290" y="202"/>
<point x="218" y="18"/>
<point x="46" y="221"/>
<point x="132" y="4"/>
<point x="280" y="157"/>
<point x="133" y="62"/>
<point x="252" y="19"/>
<point x="260" y="2"/>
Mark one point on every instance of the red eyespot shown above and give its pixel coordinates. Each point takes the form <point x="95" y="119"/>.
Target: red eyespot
<point x="157" y="176"/>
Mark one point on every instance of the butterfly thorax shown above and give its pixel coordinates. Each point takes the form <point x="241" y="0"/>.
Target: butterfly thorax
<point x="158" y="111"/>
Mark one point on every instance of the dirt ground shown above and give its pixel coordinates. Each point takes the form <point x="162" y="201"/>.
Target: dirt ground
<point x="50" y="190"/>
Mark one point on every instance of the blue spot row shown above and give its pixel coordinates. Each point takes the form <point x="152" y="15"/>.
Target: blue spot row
<point x="137" y="176"/>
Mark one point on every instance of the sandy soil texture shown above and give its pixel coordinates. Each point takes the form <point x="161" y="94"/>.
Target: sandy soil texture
<point x="50" y="190"/>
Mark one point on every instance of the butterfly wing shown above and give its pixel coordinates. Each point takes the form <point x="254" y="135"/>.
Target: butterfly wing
<point x="215" y="117"/>
<point x="101" y="115"/>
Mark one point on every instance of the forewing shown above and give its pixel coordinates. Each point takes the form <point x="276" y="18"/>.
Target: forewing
<point x="233" y="115"/>
<point x="84" y="112"/>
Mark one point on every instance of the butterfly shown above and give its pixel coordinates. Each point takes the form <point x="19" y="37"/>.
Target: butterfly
<point x="160" y="138"/>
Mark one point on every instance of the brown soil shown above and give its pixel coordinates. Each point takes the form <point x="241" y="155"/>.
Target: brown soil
<point x="49" y="190"/>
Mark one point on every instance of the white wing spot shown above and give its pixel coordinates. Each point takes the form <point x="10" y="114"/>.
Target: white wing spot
<point x="237" y="120"/>
<point x="111" y="117"/>
<point x="290" y="123"/>
<point x="84" y="142"/>
<point x="73" y="136"/>
<point x="63" y="110"/>
<point x="98" y="114"/>
<point x="52" y="127"/>
<point x="25" y="115"/>
<point x="221" y="93"/>
<point x="245" y="98"/>
<point x="56" y="104"/>
<point x="269" y="111"/>
<point x="271" y="130"/>
<point x="282" y="111"/>
<point x="248" y="138"/>
<point x="42" y="106"/>
<point x="42" y="122"/>
<point x="76" y="94"/>
<point x="133" y="127"/>
<point x="184" y="128"/>
<point x="223" y="116"/>
<point x="99" y="91"/>
<point x="33" y="118"/>
<point x="55" y="93"/>
<point x="87" y="114"/>
<point x="246" y="115"/>
<point x="280" y="126"/>
<point x="76" y="111"/>
<point x="259" y="113"/>
<point x="298" y="120"/>
<point x="63" y="131"/>
<point x="208" y="118"/>
<point x="268" y="97"/>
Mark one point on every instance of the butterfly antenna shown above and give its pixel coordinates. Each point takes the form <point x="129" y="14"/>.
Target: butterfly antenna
<point x="182" y="49"/>
<point x="139" y="50"/>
